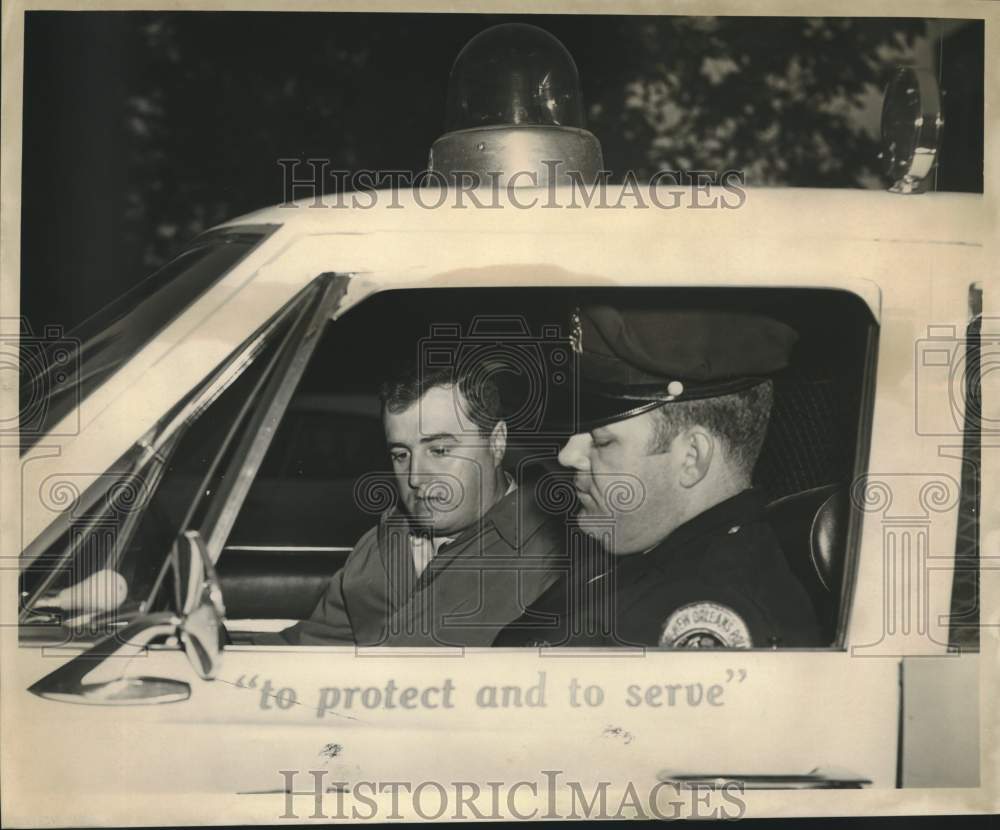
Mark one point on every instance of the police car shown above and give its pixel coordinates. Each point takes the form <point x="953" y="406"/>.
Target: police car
<point x="202" y="464"/>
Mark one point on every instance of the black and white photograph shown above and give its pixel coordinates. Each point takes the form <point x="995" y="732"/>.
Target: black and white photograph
<point x="493" y="413"/>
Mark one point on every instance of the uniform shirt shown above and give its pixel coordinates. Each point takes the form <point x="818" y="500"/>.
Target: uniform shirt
<point x="720" y="580"/>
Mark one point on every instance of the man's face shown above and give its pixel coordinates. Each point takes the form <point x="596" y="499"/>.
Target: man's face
<point x="446" y="470"/>
<point x="623" y="489"/>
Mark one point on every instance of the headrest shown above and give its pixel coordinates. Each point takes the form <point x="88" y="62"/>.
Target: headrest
<point x="828" y="537"/>
<point x="811" y="526"/>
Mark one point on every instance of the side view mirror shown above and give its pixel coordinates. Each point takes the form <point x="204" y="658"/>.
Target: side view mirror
<point x="99" y="675"/>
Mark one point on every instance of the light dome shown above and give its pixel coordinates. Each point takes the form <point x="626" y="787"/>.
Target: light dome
<point x="515" y="113"/>
<point x="514" y="75"/>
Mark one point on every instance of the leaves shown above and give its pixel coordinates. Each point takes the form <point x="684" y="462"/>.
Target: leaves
<point x="173" y="122"/>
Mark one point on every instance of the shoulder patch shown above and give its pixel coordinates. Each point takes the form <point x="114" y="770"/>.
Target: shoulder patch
<point x="705" y="625"/>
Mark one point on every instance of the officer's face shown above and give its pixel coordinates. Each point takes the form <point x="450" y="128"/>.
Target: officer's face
<point x="623" y="489"/>
<point x="446" y="470"/>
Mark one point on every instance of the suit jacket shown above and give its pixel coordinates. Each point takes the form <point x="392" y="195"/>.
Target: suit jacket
<point x="475" y="585"/>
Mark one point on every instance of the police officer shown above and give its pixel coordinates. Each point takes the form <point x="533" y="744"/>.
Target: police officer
<point x="676" y="551"/>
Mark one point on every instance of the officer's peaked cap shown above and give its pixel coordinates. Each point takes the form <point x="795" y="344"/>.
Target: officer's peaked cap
<point x="632" y="360"/>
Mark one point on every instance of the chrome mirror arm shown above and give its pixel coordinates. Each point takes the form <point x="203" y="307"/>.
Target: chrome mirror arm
<point x="93" y="676"/>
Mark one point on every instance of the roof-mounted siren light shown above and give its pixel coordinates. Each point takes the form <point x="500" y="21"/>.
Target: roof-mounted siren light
<point x="515" y="113"/>
<point x="912" y="123"/>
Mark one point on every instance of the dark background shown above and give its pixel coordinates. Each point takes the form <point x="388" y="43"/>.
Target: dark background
<point x="143" y="129"/>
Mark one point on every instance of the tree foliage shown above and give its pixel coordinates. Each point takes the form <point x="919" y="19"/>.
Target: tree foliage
<point x="182" y="117"/>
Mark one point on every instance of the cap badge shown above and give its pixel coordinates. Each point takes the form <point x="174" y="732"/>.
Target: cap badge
<point x="674" y="389"/>
<point x="705" y="625"/>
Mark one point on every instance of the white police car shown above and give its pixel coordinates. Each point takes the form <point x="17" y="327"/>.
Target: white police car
<point x="193" y="471"/>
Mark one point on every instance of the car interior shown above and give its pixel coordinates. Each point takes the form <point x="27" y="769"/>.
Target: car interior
<point x="305" y="508"/>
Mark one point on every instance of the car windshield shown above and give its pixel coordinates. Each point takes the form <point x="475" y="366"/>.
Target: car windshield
<point x="59" y="373"/>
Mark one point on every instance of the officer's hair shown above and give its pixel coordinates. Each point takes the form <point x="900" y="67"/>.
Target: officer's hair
<point x="409" y="382"/>
<point x="738" y="420"/>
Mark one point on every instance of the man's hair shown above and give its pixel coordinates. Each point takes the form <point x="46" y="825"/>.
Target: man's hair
<point x="409" y="382"/>
<point x="738" y="420"/>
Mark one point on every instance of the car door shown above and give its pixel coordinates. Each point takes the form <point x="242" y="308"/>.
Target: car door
<point x="285" y="718"/>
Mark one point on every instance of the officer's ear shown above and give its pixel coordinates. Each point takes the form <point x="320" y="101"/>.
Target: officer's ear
<point x="697" y="448"/>
<point x="498" y="442"/>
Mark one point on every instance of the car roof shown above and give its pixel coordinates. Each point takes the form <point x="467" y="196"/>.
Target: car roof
<point x="941" y="218"/>
<point x="767" y="234"/>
